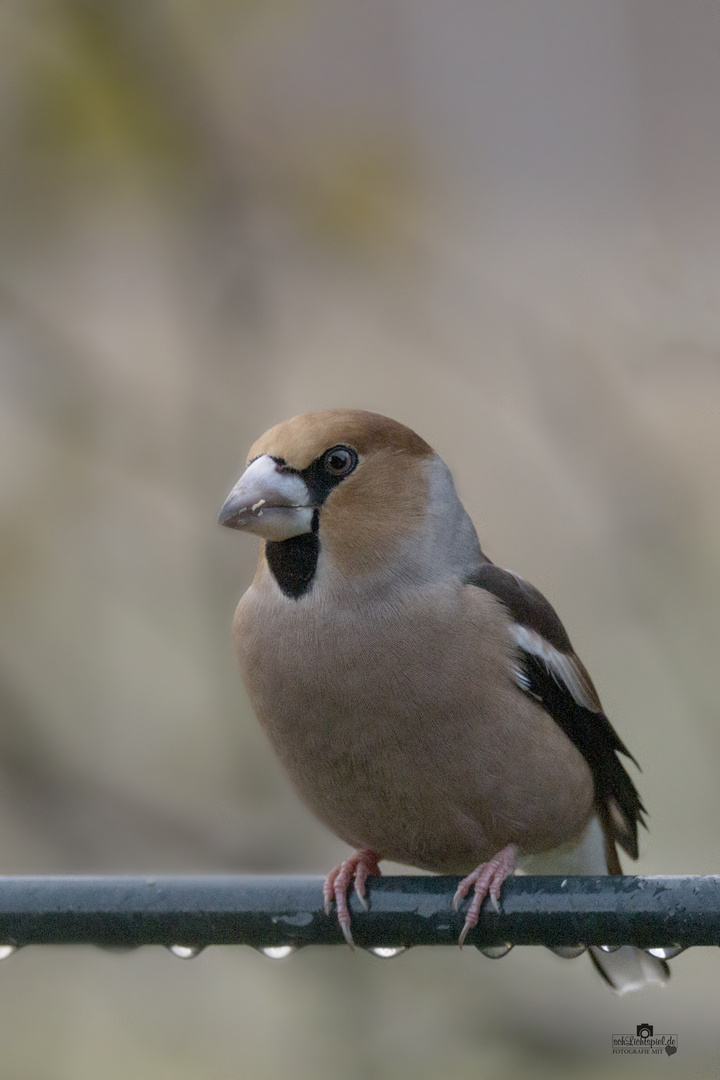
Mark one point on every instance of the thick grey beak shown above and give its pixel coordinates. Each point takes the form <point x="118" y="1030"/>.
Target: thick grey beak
<point x="268" y="502"/>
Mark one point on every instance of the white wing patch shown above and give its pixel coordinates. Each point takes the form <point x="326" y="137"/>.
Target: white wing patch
<point x="564" y="667"/>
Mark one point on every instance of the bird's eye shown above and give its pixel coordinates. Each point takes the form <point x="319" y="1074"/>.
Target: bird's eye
<point x="340" y="461"/>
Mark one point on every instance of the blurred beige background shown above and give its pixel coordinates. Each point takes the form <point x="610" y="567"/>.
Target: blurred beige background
<point x="495" y="220"/>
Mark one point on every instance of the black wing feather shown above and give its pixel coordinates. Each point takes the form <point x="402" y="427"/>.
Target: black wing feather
<point x="618" y="802"/>
<point x="599" y="744"/>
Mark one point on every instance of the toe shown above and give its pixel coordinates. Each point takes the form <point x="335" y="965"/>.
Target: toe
<point x="355" y="869"/>
<point x="361" y="876"/>
<point x="486" y="880"/>
<point x="465" y="885"/>
<point x="328" y="890"/>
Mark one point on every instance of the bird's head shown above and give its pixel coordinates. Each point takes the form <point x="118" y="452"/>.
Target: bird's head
<point x="353" y="485"/>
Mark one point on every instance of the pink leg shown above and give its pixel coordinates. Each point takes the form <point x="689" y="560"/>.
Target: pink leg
<point x="358" y="868"/>
<point x="487" y="880"/>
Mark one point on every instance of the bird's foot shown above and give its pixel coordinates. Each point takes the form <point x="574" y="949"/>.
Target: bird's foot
<point x="486" y="881"/>
<point x="357" y="868"/>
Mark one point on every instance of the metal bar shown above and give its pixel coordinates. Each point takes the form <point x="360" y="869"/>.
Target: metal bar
<point x="402" y="911"/>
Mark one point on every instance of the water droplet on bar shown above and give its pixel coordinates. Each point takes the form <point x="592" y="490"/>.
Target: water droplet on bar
<point x="7" y="950"/>
<point x="568" y="952"/>
<point x="386" y="952"/>
<point x="610" y="948"/>
<point x="278" y="952"/>
<point x="185" y="952"/>
<point x="666" y="952"/>
<point x="303" y="918"/>
<point x="495" y="952"/>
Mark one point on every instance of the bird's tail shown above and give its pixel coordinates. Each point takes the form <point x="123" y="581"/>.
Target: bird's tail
<point x="624" y="969"/>
<point x="628" y="968"/>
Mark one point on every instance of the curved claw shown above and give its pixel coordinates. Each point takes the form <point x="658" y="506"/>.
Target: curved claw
<point x="356" y="869"/>
<point x="464" y="933"/>
<point x="486" y="880"/>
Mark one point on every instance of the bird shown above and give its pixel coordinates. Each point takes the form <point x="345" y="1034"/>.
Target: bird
<point x="426" y="703"/>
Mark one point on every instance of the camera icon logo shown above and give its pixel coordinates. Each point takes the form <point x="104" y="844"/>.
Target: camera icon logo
<point x="644" y="1031"/>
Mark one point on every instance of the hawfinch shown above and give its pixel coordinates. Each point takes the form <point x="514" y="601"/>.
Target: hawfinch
<point x="427" y="704"/>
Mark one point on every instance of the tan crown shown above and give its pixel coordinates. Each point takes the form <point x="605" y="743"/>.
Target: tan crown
<point x="303" y="438"/>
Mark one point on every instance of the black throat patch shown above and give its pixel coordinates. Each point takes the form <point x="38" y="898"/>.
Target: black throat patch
<point x="293" y="562"/>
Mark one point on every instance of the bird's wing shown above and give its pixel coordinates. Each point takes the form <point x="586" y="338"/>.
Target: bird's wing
<point x="548" y="669"/>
